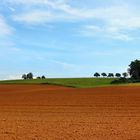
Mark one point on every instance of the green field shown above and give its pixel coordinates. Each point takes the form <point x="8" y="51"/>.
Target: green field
<point x="69" y="82"/>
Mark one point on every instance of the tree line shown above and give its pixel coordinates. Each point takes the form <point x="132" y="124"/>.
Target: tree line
<point x="118" y="75"/>
<point x="133" y="71"/>
<point x="31" y="76"/>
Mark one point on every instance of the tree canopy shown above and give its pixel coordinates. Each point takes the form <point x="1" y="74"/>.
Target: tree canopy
<point x="43" y="77"/>
<point x="104" y="74"/>
<point x="110" y="75"/>
<point x="97" y="74"/>
<point x="30" y="76"/>
<point x="134" y="69"/>
<point x="24" y="76"/>
<point x="118" y="75"/>
<point x="125" y="74"/>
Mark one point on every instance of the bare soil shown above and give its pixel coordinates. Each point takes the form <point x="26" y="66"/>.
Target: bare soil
<point x="42" y="112"/>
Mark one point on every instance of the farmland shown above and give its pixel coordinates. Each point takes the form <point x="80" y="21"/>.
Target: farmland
<point x="32" y="112"/>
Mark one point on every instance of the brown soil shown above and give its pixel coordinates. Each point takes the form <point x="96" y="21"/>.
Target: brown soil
<point x="41" y="112"/>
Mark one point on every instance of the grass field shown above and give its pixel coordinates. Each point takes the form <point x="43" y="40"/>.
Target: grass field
<point x="69" y="82"/>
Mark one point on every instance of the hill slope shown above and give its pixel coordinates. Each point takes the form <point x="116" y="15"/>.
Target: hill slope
<point x="71" y="82"/>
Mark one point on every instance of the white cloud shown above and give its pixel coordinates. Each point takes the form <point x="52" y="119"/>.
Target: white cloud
<point x="112" y="14"/>
<point x="117" y="23"/>
<point x="33" y="17"/>
<point x="25" y="2"/>
<point x="107" y="32"/>
<point x="13" y="77"/>
<point x="12" y="9"/>
<point x="7" y="76"/>
<point x="5" y="29"/>
<point x="93" y="27"/>
<point x="123" y="37"/>
<point x="65" y="65"/>
<point x="53" y="11"/>
<point x="114" y="19"/>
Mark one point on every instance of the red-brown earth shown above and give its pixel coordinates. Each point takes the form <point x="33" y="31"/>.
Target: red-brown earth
<point x="43" y="112"/>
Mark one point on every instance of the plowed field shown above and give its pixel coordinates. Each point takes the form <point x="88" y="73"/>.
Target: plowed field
<point x="42" y="112"/>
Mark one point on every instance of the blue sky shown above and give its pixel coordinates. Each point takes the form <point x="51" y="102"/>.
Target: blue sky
<point x="68" y="38"/>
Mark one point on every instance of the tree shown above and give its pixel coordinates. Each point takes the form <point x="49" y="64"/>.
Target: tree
<point x="43" y="77"/>
<point x="104" y="74"/>
<point x="97" y="74"/>
<point x="110" y="75"/>
<point x="118" y="75"/>
<point x="125" y="74"/>
<point x="30" y="76"/>
<point x="38" y="77"/>
<point x="134" y="69"/>
<point x="24" y="76"/>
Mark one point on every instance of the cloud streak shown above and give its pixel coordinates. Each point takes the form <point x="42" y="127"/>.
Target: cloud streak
<point x="5" y="29"/>
<point x="33" y="17"/>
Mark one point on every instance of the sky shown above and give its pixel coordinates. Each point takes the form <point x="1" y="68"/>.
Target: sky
<point x="68" y="38"/>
